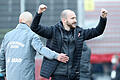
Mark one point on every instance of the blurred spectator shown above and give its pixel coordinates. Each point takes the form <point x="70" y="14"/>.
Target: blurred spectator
<point x="115" y="74"/>
<point x="85" y="65"/>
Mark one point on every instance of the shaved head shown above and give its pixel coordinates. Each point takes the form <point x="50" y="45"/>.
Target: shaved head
<point x="64" y="13"/>
<point x="68" y="18"/>
<point x="26" y="17"/>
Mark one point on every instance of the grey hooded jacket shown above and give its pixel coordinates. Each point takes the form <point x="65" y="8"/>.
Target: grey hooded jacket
<point x="17" y="53"/>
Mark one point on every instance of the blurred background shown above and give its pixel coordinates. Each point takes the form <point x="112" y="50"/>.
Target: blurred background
<point x="103" y="48"/>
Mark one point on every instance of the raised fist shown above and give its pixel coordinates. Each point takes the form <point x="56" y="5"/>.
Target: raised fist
<point x="42" y="8"/>
<point x="104" y="13"/>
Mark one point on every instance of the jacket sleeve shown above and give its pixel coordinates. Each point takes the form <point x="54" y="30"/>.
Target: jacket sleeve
<point x="44" y="51"/>
<point x="94" y="32"/>
<point x="2" y="59"/>
<point x="44" y="31"/>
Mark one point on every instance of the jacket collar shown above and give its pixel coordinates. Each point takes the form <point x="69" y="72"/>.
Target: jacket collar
<point x="23" y="26"/>
<point x="60" y="24"/>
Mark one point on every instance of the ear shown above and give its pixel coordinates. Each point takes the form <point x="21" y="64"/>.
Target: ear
<point x="20" y="20"/>
<point x="64" y="20"/>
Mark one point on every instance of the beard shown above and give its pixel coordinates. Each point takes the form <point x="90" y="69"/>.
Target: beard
<point x="71" y="25"/>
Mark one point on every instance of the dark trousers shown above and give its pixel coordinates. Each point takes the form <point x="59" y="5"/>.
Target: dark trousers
<point x="63" y="78"/>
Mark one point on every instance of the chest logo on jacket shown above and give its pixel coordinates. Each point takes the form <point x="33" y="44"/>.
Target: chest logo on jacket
<point x="79" y="34"/>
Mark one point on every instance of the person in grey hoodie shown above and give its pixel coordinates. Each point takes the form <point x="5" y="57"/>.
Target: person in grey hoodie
<point x="18" y="50"/>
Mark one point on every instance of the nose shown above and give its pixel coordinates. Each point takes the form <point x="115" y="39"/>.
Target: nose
<point x="75" y="20"/>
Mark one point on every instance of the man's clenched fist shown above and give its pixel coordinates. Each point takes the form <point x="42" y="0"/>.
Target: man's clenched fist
<point x="42" y="8"/>
<point x="104" y="13"/>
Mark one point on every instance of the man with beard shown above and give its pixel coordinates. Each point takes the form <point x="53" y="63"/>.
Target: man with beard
<point x="67" y="38"/>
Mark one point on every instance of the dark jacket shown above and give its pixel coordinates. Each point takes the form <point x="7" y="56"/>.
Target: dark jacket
<point x="54" y="42"/>
<point x="85" y="66"/>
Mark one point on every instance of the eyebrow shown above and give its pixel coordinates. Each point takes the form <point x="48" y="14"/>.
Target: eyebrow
<point x="73" y="17"/>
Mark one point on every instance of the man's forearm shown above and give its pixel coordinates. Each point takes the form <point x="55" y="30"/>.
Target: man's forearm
<point x="35" y="23"/>
<point x="48" y="53"/>
<point x="102" y="24"/>
<point x="40" y="48"/>
<point x="94" y="32"/>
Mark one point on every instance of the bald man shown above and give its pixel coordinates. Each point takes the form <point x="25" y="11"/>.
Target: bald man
<point x="18" y="50"/>
<point x="68" y="38"/>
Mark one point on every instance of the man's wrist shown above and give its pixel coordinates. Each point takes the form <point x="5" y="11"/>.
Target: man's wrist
<point x="56" y="56"/>
<point x="104" y="19"/>
<point x="38" y="14"/>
